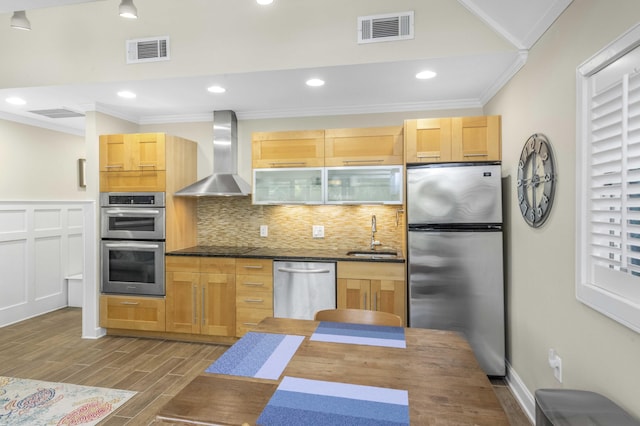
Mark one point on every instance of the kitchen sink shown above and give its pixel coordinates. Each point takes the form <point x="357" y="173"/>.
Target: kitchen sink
<point x="373" y="254"/>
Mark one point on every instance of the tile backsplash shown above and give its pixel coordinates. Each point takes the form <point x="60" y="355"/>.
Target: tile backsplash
<point x="234" y="221"/>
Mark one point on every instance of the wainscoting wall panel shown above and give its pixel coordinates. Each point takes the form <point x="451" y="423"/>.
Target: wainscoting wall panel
<point x="41" y="243"/>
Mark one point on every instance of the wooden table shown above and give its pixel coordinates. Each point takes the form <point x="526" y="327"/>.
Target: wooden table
<point x="445" y="384"/>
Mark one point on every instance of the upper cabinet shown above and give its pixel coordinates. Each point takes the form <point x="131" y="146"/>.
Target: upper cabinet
<point x="287" y="149"/>
<point x="364" y="185"/>
<point x="288" y="186"/>
<point x="352" y="166"/>
<point x="440" y="140"/>
<point x="146" y="162"/>
<point x="476" y="138"/>
<point x="373" y="146"/>
<point x="132" y="152"/>
<point x="428" y="140"/>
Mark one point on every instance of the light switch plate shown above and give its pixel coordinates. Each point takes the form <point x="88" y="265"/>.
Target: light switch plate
<point x="318" y="231"/>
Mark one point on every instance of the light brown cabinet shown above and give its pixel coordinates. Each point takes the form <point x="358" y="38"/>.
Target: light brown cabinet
<point x="133" y="162"/>
<point x="372" y="285"/>
<point x="428" y="140"/>
<point x="154" y="162"/>
<point x="254" y="293"/>
<point x="132" y="152"/>
<point x="146" y="162"/>
<point x="437" y="140"/>
<point x="200" y="295"/>
<point x="287" y="149"/>
<point x="374" y="146"/>
<point x="132" y="313"/>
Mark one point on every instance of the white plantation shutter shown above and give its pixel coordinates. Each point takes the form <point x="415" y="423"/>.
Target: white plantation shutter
<point x="609" y="176"/>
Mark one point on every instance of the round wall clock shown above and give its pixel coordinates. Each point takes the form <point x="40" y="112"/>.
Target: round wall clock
<point x="536" y="180"/>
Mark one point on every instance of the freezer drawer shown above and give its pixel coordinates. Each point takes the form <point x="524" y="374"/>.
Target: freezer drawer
<point x="300" y="289"/>
<point x="454" y="194"/>
<point x="456" y="283"/>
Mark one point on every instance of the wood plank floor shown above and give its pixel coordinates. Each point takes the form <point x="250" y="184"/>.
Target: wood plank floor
<point x="50" y="348"/>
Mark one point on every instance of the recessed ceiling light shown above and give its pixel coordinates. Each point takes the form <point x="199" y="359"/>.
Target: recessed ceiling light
<point x="425" y="75"/>
<point x="126" y="94"/>
<point x="264" y="1"/>
<point x="315" y="82"/>
<point x="15" y="101"/>
<point x="216" y="89"/>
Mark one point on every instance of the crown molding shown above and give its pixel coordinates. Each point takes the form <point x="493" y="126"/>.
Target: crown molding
<point x="42" y="124"/>
<point x="519" y="61"/>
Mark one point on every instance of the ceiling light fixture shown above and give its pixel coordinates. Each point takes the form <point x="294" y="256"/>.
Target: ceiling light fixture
<point x="19" y="21"/>
<point x="264" y="2"/>
<point x="216" y="89"/>
<point x="128" y="9"/>
<point x="425" y="75"/>
<point x="126" y="94"/>
<point x="315" y="82"/>
<point x="15" y="101"/>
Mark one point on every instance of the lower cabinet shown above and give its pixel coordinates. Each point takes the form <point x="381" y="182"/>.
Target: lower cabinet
<point x="372" y="285"/>
<point x="254" y="293"/>
<point x="132" y="312"/>
<point x="200" y="295"/>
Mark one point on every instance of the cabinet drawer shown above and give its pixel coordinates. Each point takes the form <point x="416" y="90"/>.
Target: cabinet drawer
<point x="255" y="300"/>
<point x="182" y="263"/>
<point x="371" y="270"/>
<point x="132" y="313"/>
<point x="250" y="283"/>
<point x="218" y="265"/>
<point x="247" y="319"/>
<point x="254" y="267"/>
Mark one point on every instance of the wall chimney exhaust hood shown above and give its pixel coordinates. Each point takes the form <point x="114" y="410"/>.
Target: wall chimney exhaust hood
<point x="225" y="180"/>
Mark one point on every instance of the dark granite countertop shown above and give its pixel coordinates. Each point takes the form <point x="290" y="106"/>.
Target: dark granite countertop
<point x="282" y="254"/>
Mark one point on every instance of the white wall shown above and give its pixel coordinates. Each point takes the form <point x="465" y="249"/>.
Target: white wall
<point x="86" y="42"/>
<point x="597" y="353"/>
<point x="39" y="164"/>
<point x="41" y="243"/>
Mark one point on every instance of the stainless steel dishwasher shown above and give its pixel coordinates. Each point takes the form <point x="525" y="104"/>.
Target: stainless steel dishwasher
<point x="300" y="289"/>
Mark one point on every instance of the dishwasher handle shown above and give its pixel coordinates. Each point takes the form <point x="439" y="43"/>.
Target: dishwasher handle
<point x="304" y="271"/>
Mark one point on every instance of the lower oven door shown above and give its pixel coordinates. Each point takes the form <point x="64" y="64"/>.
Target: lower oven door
<point x="133" y="267"/>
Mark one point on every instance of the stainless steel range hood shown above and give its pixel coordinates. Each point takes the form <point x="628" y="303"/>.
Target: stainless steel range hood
<point x="225" y="180"/>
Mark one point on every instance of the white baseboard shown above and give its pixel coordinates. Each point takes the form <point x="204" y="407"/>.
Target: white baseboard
<point x="521" y="393"/>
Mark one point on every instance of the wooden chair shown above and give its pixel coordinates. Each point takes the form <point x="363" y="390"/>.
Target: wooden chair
<point x="359" y="316"/>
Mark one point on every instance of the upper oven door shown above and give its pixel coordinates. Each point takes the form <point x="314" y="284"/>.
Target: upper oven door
<point x="133" y="223"/>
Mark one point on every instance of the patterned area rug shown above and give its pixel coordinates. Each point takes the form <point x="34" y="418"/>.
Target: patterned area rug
<point x="33" y="402"/>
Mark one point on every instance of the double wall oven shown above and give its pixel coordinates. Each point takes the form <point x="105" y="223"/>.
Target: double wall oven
<point x="133" y="242"/>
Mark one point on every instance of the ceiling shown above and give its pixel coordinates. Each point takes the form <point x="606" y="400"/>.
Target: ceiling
<point x="462" y="82"/>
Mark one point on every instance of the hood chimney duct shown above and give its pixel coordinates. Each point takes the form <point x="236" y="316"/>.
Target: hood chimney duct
<point x="225" y="180"/>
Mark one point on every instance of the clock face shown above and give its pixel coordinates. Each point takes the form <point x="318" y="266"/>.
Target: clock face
<point x="536" y="180"/>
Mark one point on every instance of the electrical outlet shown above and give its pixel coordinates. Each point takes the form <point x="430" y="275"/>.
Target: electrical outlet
<point x="555" y="362"/>
<point x="318" y="231"/>
<point x="264" y="230"/>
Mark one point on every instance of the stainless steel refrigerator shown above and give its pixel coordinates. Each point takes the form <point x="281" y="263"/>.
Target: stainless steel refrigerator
<point x="455" y="260"/>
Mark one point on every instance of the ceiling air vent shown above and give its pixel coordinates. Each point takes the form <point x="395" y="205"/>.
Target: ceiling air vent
<point x="147" y="50"/>
<point x="388" y="27"/>
<point x="57" y="113"/>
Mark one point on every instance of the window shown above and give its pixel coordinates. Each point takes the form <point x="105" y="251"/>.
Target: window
<point x="608" y="167"/>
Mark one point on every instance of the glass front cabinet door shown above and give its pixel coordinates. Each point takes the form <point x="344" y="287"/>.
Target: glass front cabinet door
<point x="288" y="186"/>
<point x="364" y="185"/>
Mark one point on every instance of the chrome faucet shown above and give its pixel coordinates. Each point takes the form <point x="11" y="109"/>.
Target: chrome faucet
<point x="374" y="229"/>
